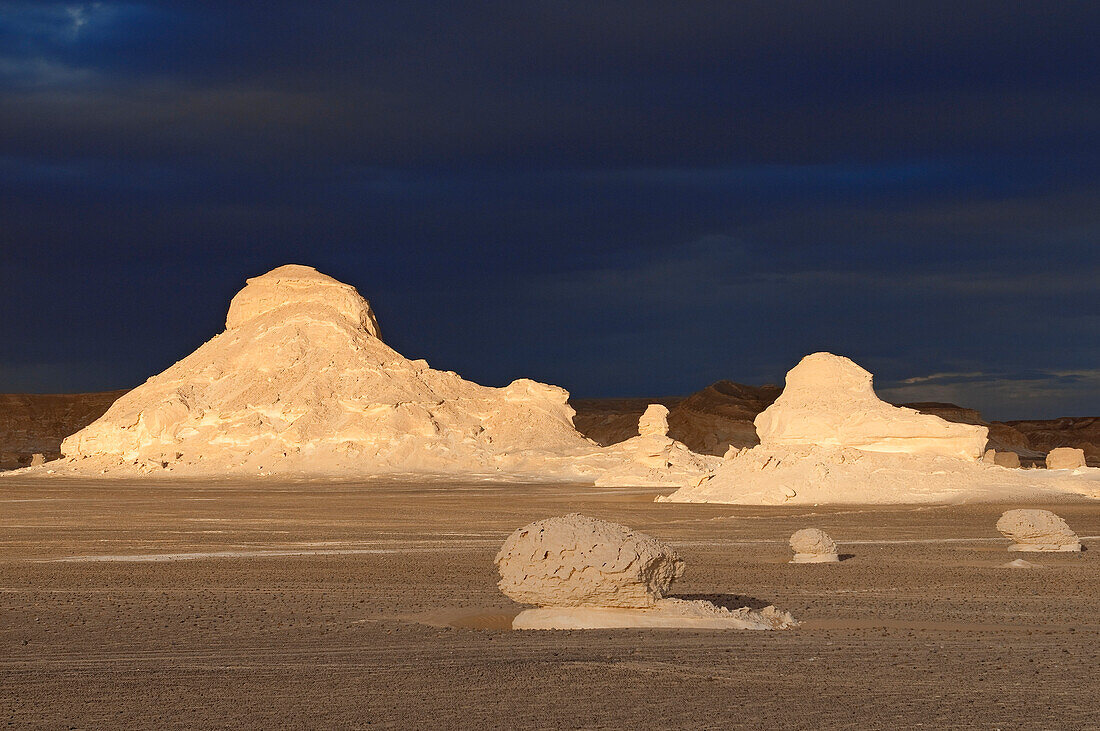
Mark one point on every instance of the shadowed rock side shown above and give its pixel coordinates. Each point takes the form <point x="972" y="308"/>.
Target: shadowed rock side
<point x="299" y="383"/>
<point x="33" y="423"/>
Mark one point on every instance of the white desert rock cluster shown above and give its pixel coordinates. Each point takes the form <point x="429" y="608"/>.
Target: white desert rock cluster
<point x="829" y="439"/>
<point x="301" y="383"/>
<point x="1037" y="530"/>
<point x="586" y="573"/>
<point x="813" y="545"/>
<point x="655" y="459"/>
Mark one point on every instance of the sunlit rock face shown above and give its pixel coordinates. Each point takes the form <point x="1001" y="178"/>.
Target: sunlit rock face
<point x="829" y="401"/>
<point x="1065" y="458"/>
<point x="300" y="382"/>
<point x="300" y="287"/>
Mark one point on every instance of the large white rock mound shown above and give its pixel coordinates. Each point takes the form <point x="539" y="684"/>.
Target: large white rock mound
<point x="829" y="440"/>
<point x="829" y="401"/>
<point x="1037" y="530"/>
<point x="576" y="561"/>
<point x="300" y="383"/>
<point x="586" y="573"/>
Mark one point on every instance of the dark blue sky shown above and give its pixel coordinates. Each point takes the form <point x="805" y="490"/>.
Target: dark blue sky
<point x="622" y="198"/>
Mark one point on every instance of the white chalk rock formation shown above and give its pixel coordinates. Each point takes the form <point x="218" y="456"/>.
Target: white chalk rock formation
<point x="654" y="459"/>
<point x="586" y="573"/>
<point x="38" y="459"/>
<point x="300" y="383"/>
<point x="829" y="401"/>
<point x="1065" y="458"/>
<point x="813" y="545"/>
<point x="1037" y="530"/>
<point x="829" y="440"/>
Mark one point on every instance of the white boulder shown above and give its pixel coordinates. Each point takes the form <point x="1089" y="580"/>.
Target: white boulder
<point x="1037" y="530"/>
<point x="813" y="545"/>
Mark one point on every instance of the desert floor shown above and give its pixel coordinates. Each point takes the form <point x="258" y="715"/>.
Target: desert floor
<point x="127" y="604"/>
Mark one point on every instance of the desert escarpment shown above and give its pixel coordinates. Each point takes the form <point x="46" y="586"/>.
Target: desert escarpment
<point x="33" y="423"/>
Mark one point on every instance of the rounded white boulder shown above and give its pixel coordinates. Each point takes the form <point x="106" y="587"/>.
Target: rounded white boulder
<point x="1037" y="530"/>
<point x="813" y="545"/>
<point x="577" y="561"/>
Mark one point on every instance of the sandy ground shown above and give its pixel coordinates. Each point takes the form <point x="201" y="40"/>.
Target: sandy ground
<point x="132" y="605"/>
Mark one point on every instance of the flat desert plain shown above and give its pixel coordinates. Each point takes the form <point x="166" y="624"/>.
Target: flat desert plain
<point x="132" y="604"/>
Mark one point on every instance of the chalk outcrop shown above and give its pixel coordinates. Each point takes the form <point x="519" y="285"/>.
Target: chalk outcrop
<point x="653" y="459"/>
<point x="586" y="573"/>
<point x="828" y="439"/>
<point x="300" y="383"/>
<point x="813" y="545"/>
<point x="1037" y="530"/>
<point x="1065" y="458"/>
<point x="829" y="401"/>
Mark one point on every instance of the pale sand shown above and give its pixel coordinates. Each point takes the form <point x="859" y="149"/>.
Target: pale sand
<point x="921" y="625"/>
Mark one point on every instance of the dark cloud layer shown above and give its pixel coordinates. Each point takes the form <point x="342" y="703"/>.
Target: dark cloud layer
<point x="623" y="198"/>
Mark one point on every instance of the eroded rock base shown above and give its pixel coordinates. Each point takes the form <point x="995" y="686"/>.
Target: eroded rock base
<point x="815" y="558"/>
<point x="665" y="614"/>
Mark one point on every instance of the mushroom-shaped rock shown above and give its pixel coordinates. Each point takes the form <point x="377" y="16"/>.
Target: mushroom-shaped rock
<point x="813" y="545"/>
<point x="1065" y="458"/>
<point x="586" y="573"/>
<point x="580" y="561"/>
<point x="1037" y="530"/>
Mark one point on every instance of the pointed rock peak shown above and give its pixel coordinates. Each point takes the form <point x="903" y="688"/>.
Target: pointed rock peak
<point x="297" y="285"/>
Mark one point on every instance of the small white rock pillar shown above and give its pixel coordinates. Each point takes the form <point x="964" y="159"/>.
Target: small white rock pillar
<point x="813" y="545"/>
<point x="1065" y="458"/>
<point x="1037" y="530"/>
